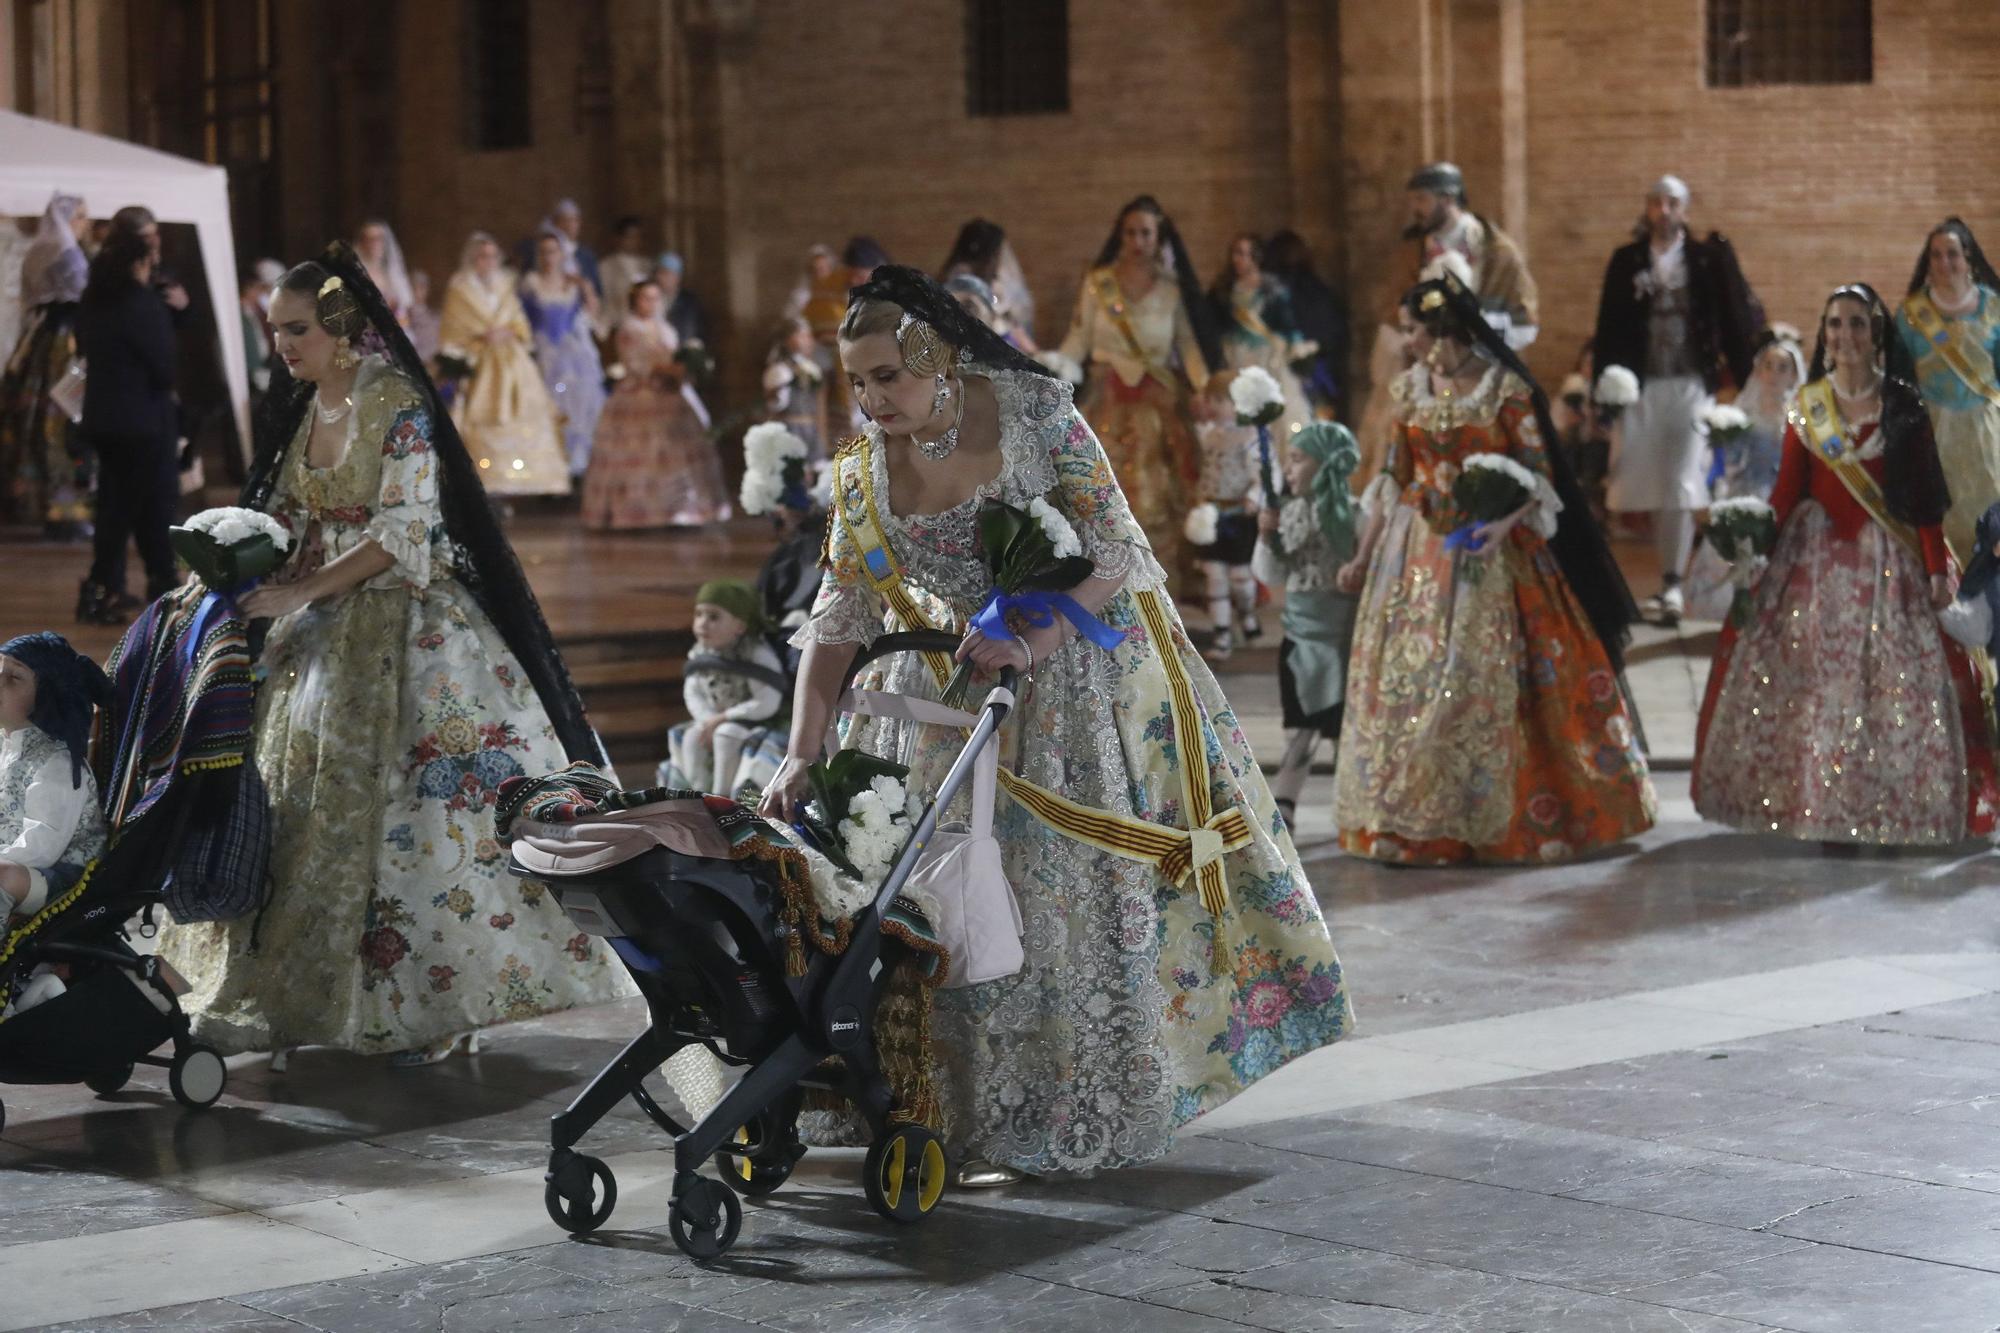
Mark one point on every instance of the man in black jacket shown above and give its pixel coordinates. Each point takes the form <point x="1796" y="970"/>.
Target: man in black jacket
<point x="1677" y="313"/>
<point x="126" y="336"/>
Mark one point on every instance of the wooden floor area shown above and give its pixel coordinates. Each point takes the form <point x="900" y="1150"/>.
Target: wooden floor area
<point x="619" y="605"/>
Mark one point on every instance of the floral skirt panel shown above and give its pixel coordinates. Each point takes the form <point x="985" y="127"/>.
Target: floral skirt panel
<point x="384" y="730"/>
<point x="1133" y="1013"/>
<point x="653" y="465"/>
<point x="1484" y="722"/>
<point x="1841" y="712"/>
<point x="1968" y="446"/>
<point x="1146" y="438"/>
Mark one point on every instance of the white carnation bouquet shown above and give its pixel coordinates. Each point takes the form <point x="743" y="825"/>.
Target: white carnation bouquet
<point x="1256" y="396"/>
<point x="230" y="548"/>
<point x="1487" y="489"/>
<point x="1743" y="531"/>
<point x="858" y="814"/>
<point x="1033" y="558"/>
<point x="1725" y="422"/>
<point x="774" y="469"/>
<point x="1617" y="389"/>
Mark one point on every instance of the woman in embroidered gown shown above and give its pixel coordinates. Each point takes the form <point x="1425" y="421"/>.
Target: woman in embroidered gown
<point x="1950" y="322"/>
<point x="561" y="309"/>
<point x="45" y="466"/>
<point x="1254" y="312"/>
<point x="1142" y="344"/>
<point x="1842" y="712"/>
<point x="1485" y="720"/>
<point x="1139" y="1008"/>
<point x="653" y="464"/>
<point x="397" y="701"/>
<point x="503" y="412"/>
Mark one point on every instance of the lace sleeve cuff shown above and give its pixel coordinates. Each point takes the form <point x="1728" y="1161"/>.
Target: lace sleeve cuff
<point x="1129" y="561"/>
<point x="840" y="615"/>
<point x="407" y="539"/>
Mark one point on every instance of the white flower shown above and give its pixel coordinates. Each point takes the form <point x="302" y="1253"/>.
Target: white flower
<point x="890" y="790"/>
<point x="1056" y="528"/>
<point x="1725" y="418"/>
<point x="1200" y="527"/>
<point x="822" y="488"/>
<point x="231" y="526"/>
<point x="1617" y="387"/>
<point x="760" y="491"/>
<point x="1746" y="505"/>
<point x="768" y="444"/>
<point x="1505" y="465"/>
<point x="1255" y="394"/>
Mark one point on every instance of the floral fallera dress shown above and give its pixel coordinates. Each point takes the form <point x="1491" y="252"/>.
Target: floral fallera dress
<point x="388" y="719"/>
<point x="1133" y="1014"/>
<point x="1484" y="721"/>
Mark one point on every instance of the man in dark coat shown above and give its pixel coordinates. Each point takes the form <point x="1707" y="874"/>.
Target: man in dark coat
<point x="1677" y="313"/>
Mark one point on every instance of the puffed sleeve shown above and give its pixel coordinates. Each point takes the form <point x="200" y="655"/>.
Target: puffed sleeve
<point x="408" y="522"/>
<point x="1089" y="496"/>
<point x="1522" y="431"/>
<point x="848" y="609"/>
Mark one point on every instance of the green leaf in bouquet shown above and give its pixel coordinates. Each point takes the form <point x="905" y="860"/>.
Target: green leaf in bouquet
<point x="1061" y="576"/>
<point x="999" y="525"/>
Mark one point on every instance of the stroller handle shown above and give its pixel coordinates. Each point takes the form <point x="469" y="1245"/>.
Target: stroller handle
<point x="903" y="641"/>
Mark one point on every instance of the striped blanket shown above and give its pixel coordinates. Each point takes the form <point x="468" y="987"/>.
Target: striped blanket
<point x="183" y="699"/>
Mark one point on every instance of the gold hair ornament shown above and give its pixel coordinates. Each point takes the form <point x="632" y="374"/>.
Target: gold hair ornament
<point x="925" y="352"/>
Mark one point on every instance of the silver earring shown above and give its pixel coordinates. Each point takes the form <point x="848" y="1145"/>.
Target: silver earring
<point x="941" y="397"/>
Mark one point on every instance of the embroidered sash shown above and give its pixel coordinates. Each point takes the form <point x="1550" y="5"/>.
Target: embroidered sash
<point x="1954" y="342"/>
<point x="1819" y="419"/>
<point x="1175" y="853"/>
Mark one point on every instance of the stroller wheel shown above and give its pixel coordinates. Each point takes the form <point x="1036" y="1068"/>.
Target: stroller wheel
<point x="580" y="1193"/>
<point x="757" y="1175"/>
<point x="905" y="1173"/>
<point x="196" y="1077"/>
<point x="705" y="1218"/>
<point x="108" y="1081"/>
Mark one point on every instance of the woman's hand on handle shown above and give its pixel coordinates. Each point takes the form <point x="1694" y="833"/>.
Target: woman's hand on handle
<point x="786" y="791"/>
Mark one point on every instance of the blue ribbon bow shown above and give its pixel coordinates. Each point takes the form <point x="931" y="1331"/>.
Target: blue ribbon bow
<point x="1463" y="539"/>
<point x="1039" y="609"/>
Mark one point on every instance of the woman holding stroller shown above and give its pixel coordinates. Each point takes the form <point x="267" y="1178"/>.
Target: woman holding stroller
<point x="408" y="674"/>
<point x="1156" y="987"/>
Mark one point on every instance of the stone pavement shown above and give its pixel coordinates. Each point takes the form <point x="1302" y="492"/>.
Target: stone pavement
<point x="1718" y="1082"/>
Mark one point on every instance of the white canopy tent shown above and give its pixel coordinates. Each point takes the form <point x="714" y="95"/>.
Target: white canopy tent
<point x="38" y="158"/>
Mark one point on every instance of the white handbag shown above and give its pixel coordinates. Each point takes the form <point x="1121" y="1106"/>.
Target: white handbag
<point x="960" y="876"/>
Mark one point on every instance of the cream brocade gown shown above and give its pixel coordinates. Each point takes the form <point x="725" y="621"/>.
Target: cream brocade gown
<point x="504" y="413"/>
<point x="1134" y="1013"/>
<point x="387" y="721"/>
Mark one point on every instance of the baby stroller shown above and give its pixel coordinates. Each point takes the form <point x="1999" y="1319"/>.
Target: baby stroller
<point x="117" y="1009"/>
<point x="704" y="940"/>
<point x="170" y="762"/>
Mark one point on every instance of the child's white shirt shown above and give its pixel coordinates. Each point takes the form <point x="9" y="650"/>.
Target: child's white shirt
<point x="51" y="810"/>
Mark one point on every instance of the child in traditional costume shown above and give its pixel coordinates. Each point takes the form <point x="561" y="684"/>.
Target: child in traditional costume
<point x="1304" y="541"/>
<point x="733" y="682"/>
<point x="49" y="816"/>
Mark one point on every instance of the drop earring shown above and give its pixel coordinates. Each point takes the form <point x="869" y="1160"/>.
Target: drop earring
<point x="344" y="356"/>
<point x="941" y="396"/>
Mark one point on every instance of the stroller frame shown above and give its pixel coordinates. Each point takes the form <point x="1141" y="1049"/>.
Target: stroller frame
<point x="788" y="1041"/>
<point x="93" y="934"/>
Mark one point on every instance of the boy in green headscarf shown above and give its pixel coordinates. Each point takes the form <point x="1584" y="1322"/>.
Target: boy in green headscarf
<point x="1302" y="544"/>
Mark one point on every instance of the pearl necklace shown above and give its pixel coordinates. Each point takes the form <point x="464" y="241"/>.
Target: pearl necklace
<point x="946" y="444"/>
<point x="329" y="415"/>
<point x="1859" y="394"/>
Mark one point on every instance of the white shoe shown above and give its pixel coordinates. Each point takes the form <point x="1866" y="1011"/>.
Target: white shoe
<point x="1667" y="608"/>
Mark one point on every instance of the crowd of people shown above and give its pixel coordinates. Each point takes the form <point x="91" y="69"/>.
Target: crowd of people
<point x="1466" y="658"/>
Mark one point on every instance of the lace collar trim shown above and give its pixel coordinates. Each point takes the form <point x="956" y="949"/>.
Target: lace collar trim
<point x="1026" y="403"/>
<point x="1423" y="406"/>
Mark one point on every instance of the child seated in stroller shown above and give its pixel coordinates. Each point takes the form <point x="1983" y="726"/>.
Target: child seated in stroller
<point x="50" y="824"/>
<point x="735" y="687"/>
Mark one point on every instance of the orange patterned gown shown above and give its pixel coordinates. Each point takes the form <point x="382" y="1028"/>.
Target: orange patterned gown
<point x="1484" y="720"/>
